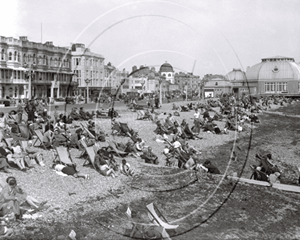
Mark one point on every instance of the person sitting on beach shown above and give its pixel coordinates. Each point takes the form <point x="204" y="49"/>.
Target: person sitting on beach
<point x="169" y="124"/>
<point x="74" y="140"/>
<point x="69" y="170"/>
<point x="48" y="138"/>
<point x="59" y="139"/>
<point x="12" y="197"/>
<point x="74" y="115"/>
<point x="161" y="130"/>
<point x="149" y="156"/>
<point x="211" y="168"/>
<point x="126" y="169"/>
<point x="3" y="158"/>
<point x="85" y="115"/>
<point x="266" y="165"/>
<point x="35" y="153"/>
<point x="60" y="125"/>
<point x="102" y="165"/>
<point x="15" y="156"/>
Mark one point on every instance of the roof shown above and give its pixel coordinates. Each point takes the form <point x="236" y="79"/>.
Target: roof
<point x="166" y="67"/>
<point x="274" y="70"/>
<point x="278" y="57"/>
<point x="236" y="75"/>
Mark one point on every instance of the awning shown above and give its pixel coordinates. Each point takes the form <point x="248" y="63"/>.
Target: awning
<point x="17" y="68"/>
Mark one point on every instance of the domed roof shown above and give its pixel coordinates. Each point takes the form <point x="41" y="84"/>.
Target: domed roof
<point x="236" y="75"/>
<point x="274" y="68"/>
<point x="166" y="67"/>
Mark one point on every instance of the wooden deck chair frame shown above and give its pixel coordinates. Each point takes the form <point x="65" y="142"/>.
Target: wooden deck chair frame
<point x="8" y="141"/>
<point x="39" y="135"/>
<point x="86" y="129"/>
<point x="141" y="229"/>
<point x="90" y="152"/>
<point x="152" y="209"/>
<point x="63" y="155"/>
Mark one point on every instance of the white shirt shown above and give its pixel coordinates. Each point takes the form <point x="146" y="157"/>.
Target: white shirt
<point x="196" y="114"/>
<point x="59" y="167"/>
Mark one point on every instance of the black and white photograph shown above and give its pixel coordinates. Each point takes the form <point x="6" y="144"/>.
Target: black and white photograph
<point x="150" y="119"/>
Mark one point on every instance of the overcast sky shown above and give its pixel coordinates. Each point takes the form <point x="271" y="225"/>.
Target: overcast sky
<point x="215" y="36"/>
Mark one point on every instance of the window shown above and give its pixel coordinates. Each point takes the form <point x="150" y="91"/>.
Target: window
<point x="270" y="87"/>
<point x="2" y="55"/>
<point x="18" y="57"/>
<point x="15" y="56"/>
<point x="51" y="62"/>
<point x="281" y="87"/>
<point x="55" y="62"/>
<point x="169" y="75"/>
<point x="40" y="61"/>
<point x="44" y="60"/>
<point x="216" y="83"/>
<point x="10" y="56"/>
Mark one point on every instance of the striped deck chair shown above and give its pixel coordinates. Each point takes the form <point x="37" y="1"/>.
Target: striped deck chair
<point x="90" y="152"/>
<point x="63" y="155"/>
<point x="152" y="214"/>
<point x="39" y="139"/>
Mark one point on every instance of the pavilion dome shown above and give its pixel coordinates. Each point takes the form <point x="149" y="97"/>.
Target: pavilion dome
<point x="274" y="68"/>
<point x="236" y="75"/>
<point x="166" y="67"/>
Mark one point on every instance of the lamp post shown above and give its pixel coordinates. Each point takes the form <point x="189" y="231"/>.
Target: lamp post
<point x="160" y="89"/>
<point x="199" y="85"/>
<point x="186" y="91"/>
<point x="30" y="71"/>
<point x="87" y="89"/>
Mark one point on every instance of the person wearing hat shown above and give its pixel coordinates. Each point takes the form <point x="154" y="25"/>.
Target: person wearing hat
<point x="12" y="196"/>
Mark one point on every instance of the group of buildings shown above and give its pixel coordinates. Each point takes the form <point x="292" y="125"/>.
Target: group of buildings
<point x="272" y="76"/>
<point x="43" y="70"/>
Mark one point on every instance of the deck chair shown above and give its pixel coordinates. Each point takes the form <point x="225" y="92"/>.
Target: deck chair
<point x="116" y="150"/>
<point x="87" y="130"/>
<point x="156" y="219"/>
<point x="144" y="231"/>
<point x="90" y="152"/>
<point x="63" y="155"/>
<point x="8" y="141"/>
<point x="39" y="139"/>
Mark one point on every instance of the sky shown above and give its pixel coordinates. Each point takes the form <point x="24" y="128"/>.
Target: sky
<point x="199" y="36"/>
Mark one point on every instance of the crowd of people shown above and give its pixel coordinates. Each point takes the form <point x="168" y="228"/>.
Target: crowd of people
<point x="57" y="131"/>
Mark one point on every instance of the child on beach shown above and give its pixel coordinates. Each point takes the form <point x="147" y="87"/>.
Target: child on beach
<point x="126" y="169"/>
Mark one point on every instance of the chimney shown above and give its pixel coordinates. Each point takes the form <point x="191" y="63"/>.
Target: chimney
<point x="23" y="38"/>
<point x="49" y="43"/>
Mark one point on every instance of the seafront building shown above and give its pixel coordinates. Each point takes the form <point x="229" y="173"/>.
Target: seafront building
<point x="48" y="67"/>
<point x="274" y="75"/>
<point x="89" y="70"/>
<point x="148" y="80"/>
